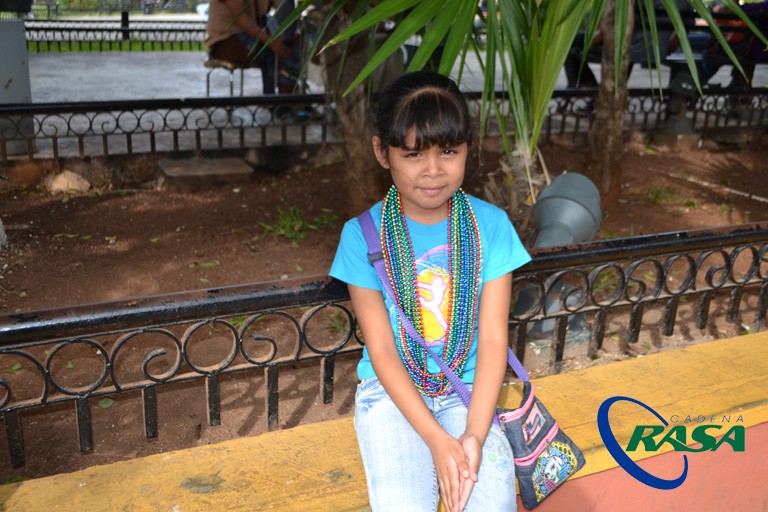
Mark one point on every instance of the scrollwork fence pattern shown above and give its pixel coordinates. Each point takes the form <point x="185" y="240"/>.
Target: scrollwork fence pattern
<point x="143" y="357"/>
<point x="81" y="130"/>
<point x="146" y="343"/>
<point x="102" y="129"/>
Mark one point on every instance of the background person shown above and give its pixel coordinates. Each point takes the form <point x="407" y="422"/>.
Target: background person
<point x="747" y="47"/>
<point x="236" y="32"/>
<point x="639" y="52"/>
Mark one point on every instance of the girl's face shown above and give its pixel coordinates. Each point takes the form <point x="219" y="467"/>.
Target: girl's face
<point x="426" y="178"/>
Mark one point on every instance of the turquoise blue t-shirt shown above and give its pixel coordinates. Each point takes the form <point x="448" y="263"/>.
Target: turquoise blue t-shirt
<point x="502" y="253"/>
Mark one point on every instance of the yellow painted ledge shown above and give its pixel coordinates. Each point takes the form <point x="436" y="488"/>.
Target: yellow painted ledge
<point x="317" y="467"/>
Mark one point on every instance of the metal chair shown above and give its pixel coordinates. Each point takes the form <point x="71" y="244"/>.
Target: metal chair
<point x="214" y="64"/>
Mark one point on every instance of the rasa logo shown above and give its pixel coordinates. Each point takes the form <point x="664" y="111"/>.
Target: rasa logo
<point x="653" y="437"/>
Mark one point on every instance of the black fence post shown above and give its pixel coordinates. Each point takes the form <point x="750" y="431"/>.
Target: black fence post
<point x="124" y="22"/>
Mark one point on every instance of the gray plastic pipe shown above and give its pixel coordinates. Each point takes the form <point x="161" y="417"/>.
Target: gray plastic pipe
<point x="567" y="211"/>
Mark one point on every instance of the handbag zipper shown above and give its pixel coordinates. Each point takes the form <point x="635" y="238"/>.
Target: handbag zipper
<point x="506" y="417"/>
<point x="528" y="460"/>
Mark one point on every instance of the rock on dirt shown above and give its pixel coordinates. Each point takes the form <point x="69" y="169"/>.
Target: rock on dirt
<point x="66" y="181"/>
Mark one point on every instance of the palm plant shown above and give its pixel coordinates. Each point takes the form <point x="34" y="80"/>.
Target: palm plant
<point x="526" y="46"/>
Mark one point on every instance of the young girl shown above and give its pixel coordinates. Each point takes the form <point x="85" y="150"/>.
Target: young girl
<point x="449" y="257"/>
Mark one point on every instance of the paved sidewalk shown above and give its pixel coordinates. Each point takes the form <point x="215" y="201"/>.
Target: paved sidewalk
<point x="65" y="77"/>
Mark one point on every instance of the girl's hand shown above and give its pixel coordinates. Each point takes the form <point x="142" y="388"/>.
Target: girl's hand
<point x="473" y="451"/>
<point x="452" y="470"/>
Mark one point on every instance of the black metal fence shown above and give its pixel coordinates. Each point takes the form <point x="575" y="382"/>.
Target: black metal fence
<point x="565" y="302"/>
<point x="103" y="129"/>
<point x="571" y="111"/>
<point x="53" y="9"/>
<point x="114" y="35"/>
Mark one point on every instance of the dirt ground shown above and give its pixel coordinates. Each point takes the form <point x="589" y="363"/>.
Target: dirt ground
<point x="113" y="244"/>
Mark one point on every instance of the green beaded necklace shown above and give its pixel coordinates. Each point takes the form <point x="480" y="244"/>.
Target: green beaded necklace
<point x="464" y="266"/>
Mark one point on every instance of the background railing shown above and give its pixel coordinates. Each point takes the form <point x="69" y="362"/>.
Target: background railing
<point x="103" y="129"/>
<point x="114" y="35"/>
<point x="100" y="129"/>
<point x="564" y="303"/>
<point x="53" y="9"/>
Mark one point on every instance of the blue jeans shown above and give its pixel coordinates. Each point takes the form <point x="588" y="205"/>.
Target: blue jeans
<point x="398" y="464"/>
<point x="284" y="72"/>
<point x="265" y="60"/>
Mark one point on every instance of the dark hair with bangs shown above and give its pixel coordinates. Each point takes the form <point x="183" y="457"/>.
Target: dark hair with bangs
<point x="427" y="102"/>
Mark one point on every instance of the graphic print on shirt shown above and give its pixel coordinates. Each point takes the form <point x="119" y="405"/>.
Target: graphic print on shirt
<point x="433" y="287"/>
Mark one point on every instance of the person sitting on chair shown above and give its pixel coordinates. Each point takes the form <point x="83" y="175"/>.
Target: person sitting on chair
<point x="747" y="47"/>
<point x="236" y="33"/>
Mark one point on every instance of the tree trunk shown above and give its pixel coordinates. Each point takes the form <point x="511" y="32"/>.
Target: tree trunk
<point x="606" y="141"/>
<point x="364" y="179"/>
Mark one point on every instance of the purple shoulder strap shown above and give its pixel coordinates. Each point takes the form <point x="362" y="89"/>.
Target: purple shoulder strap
<point x="376" y="257"/>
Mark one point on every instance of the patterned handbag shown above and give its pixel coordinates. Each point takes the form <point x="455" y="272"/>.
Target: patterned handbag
<point x="544" y="456"/>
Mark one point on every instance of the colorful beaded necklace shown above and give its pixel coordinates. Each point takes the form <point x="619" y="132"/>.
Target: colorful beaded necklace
<point x="464" y="264"/>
